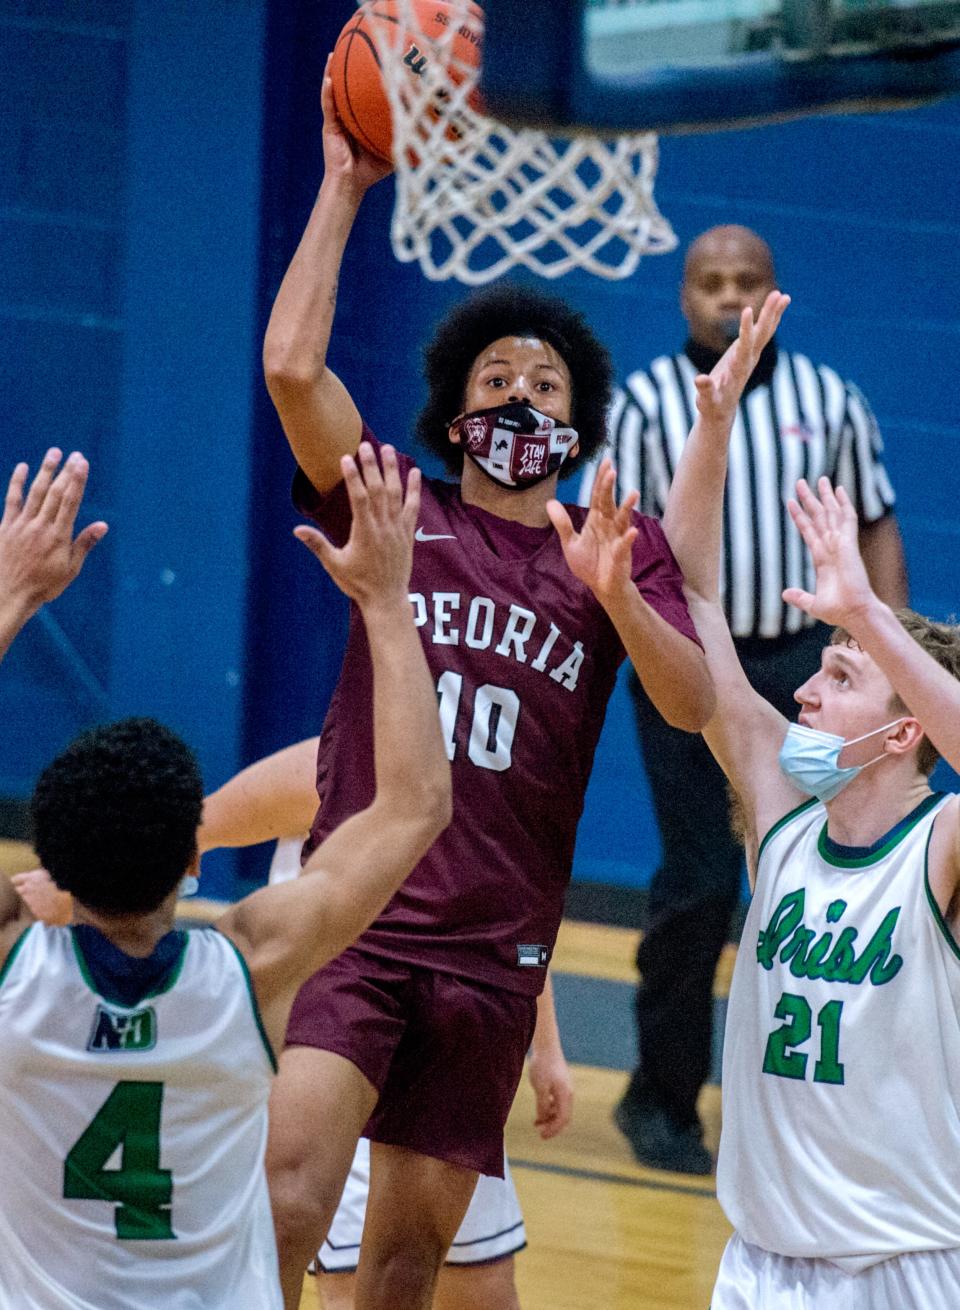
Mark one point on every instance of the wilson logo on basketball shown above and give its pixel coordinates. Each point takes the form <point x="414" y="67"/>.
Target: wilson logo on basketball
<point x="415" y="61"/>
<point x="370" y="50"/>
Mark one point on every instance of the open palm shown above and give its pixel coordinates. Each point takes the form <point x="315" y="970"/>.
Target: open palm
<point x="600" y="554"/>
<point x="374" y="564"/>
<point x="719" y="391"/>
<point x="830" y="528"/>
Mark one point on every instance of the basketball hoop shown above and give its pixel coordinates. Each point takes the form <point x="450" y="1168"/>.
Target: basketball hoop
<point x="475" y="197"/>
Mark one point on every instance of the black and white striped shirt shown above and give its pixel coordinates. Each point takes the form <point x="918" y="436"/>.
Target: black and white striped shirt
<point x="796" y="419"/>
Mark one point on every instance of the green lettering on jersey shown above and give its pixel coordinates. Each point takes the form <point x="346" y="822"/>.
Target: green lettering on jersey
<point x="811" y="956"/>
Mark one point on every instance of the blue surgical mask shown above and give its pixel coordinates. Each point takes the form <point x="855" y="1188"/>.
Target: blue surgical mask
<point x="809" y="758"/>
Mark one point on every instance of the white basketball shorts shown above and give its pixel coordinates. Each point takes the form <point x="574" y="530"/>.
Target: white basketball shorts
<point x="750" y="1278"/>
<point x="492" y="1228"/>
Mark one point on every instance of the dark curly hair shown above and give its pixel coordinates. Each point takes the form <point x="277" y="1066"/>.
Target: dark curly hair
<point x="511" y="311"/>
<point x="115" y="816"/>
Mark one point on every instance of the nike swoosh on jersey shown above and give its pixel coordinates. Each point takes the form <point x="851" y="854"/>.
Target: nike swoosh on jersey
<point x="420" y="535"/>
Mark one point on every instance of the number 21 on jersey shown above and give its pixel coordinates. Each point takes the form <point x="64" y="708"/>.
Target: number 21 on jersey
<point x="781" y="1056"/>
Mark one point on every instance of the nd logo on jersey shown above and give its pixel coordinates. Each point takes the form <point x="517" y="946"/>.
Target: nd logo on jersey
<point x="123" y="1032"/>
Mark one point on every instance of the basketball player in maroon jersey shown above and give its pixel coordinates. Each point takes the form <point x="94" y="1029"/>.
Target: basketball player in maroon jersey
<point x="416" y="1036"/>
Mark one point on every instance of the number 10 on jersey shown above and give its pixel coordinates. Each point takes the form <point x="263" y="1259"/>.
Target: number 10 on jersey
<point x="493" y="722"/>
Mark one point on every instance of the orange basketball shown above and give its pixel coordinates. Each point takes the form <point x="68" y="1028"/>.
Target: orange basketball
<point x="358" y="89"/>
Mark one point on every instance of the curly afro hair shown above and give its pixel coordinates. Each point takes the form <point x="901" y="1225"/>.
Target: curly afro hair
<point x="115" y="816"/>
<point x="511" y="311"/>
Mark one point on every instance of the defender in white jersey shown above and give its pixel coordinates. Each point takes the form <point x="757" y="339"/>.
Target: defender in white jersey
<point x="135" y="1059"/>
<point x="841" y="1075"/>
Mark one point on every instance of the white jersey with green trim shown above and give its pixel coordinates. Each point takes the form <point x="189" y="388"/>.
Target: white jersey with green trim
<point x="841" y="1063"/>
<point x="133" y="1137"/>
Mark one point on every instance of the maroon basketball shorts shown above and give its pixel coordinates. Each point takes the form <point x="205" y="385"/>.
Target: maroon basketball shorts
<point x="445" y="1053"/>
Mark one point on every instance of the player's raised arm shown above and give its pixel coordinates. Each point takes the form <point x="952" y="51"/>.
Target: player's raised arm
<point x="39" y="555"/>
<point x="319" y="418"/>
<point x="845" y="598"/>
<point x="670" y="666"/>
<point x="746" y="732"/>
<point x="288" y="931"/>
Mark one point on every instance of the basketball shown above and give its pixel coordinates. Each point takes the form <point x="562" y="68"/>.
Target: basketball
<point x="355" y="68"/>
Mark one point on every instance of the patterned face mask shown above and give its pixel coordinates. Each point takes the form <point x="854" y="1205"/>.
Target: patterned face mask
<point x="515" y="444"/>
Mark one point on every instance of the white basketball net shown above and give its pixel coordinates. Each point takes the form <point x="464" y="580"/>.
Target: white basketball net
<point x="475" y="197"/>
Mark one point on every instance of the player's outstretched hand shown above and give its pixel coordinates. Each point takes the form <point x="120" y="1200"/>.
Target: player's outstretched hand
<point x="39" y="555"/>
<point x="552" y="1084"/>
<point x="600" y="554"/>
<point x="43" y="898"/>
<point x="343" y="157"/>
<point x="830" y="528"/>
<point x="374" y="566"/>
<point x="719" y="392"/>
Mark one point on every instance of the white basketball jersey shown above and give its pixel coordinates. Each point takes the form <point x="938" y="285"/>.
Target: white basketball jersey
<point x="133" y="1138"/>
<point x="841" y="1066"/>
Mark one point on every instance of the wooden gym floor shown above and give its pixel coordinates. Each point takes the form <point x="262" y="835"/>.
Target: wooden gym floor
<point x="602" y="1231"/>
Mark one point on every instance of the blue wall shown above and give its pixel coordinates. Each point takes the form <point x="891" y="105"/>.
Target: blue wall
<point x="158" y="164"/>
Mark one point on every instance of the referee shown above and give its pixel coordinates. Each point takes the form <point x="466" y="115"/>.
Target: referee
<point x="796" y="419"/>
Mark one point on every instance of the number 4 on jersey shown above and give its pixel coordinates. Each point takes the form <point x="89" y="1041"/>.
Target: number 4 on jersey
<point x="129" y="1119"/>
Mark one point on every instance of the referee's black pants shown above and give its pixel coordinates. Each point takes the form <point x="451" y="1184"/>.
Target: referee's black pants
<point x="696" y="888"/>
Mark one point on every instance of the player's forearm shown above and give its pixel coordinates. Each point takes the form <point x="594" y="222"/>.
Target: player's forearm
<point x="272" y="798"/>
<point x="15" y="612"/>
<point x="929" y="691"/>
<point x="546" y="1034"/>
<point x="351" y="876"/>
<point x="319" y="418"/>
<point x="670" y="666"/>
<point x="11" y="906"/>
<point x="693" y="517"/>
<point x="298" y="334"/>
<point x="881" y="547"/>
<point x="412" y="771"/>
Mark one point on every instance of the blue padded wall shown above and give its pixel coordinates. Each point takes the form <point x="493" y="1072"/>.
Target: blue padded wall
<point x="129" y="225"/>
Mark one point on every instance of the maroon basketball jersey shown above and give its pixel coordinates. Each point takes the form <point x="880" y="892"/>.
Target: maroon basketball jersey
<point x="524" y="659"/>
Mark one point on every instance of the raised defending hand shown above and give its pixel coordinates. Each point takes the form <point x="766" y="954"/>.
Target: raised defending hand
<point x="39" y="556"/>
<point x="343" y="157"/>
<point x="719" y="392"/>
<point x="374" y="566"/>
<point x="600" y="553"/>
<point x="830" y="528"/>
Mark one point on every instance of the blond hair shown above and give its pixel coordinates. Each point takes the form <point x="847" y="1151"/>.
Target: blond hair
<point x="941" y="641"/>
